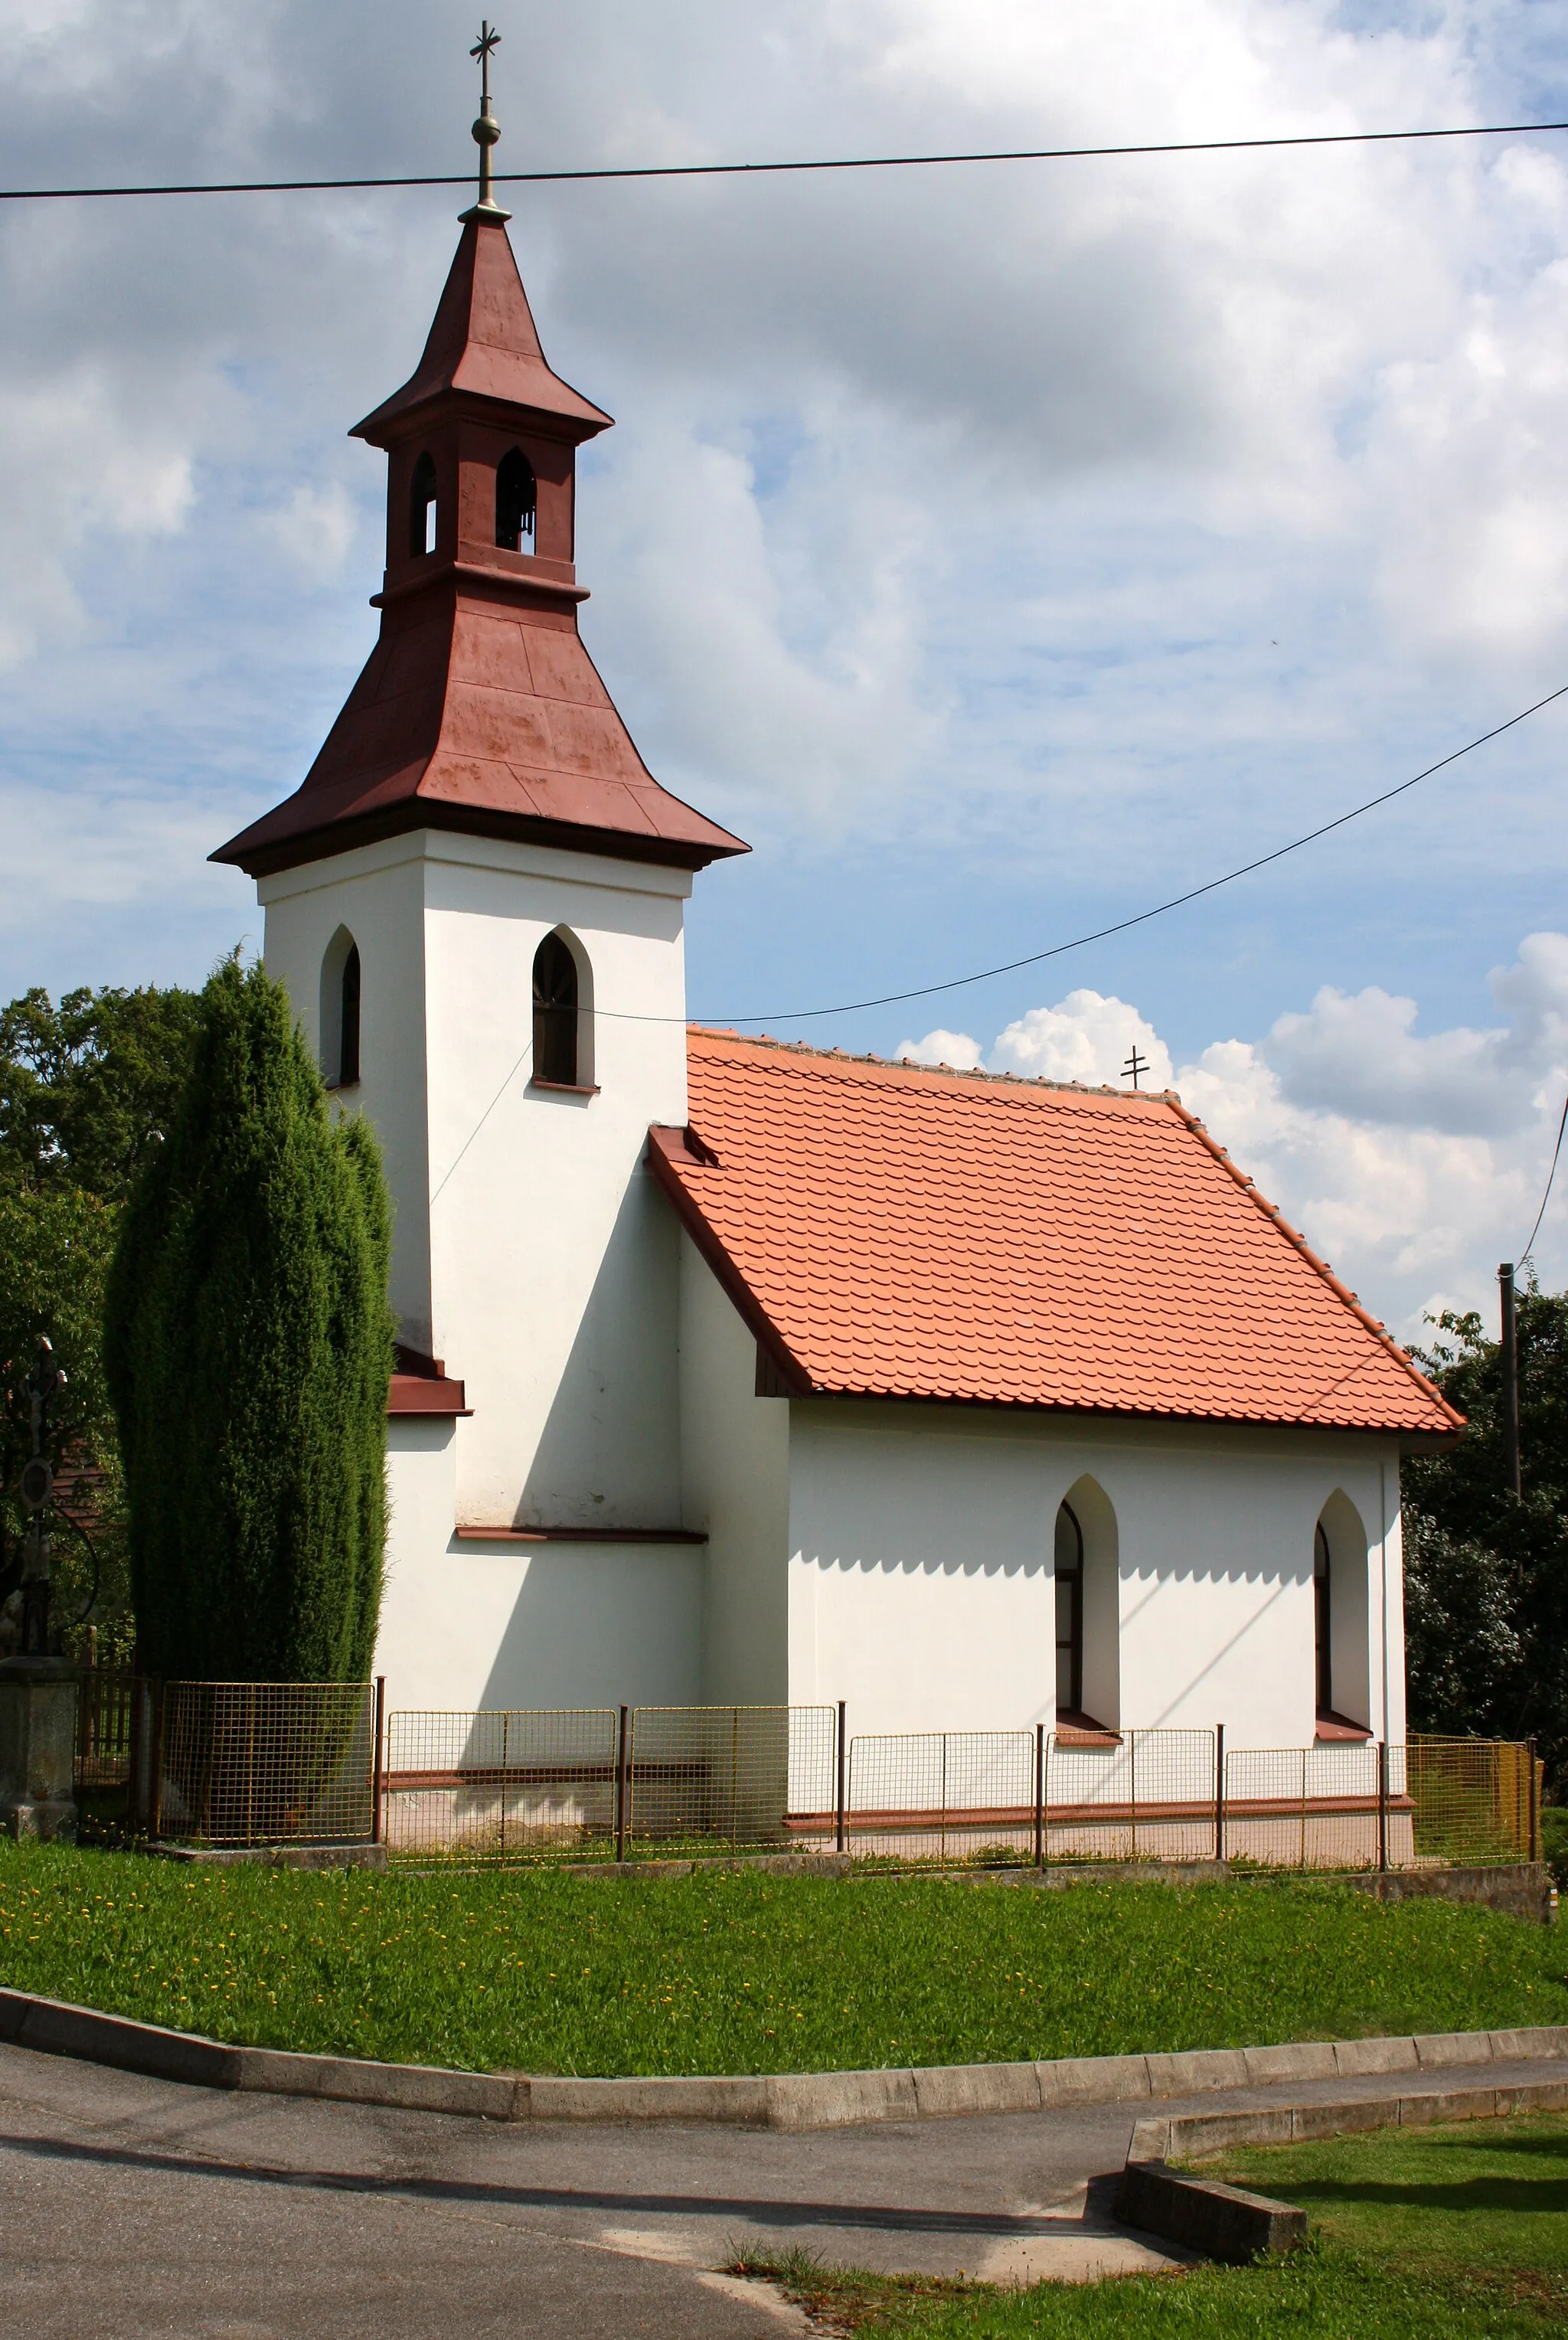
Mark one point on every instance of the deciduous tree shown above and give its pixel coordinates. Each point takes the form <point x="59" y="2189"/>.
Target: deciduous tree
<point x="1486" y="1572"/>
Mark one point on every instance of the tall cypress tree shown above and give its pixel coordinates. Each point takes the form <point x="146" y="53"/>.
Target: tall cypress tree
<point x="248" y="1343"/>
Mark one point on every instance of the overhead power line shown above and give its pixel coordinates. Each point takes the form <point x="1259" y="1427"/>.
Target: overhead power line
<point x="1139" y="918"/>
<point x="1547" y="1197"/>
<point x="778" y="169"/>
<point x="1079" y="942"/>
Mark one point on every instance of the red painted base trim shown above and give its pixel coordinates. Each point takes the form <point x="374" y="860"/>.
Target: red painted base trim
<point x="581" y="1535"/>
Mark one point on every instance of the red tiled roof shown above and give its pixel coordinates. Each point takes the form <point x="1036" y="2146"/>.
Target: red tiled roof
<point x="894" y="1232"/>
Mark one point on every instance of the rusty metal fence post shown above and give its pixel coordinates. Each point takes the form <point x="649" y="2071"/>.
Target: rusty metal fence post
<point x="1534" y="1852"/>
<point x="1382" y="1806"/>
<point x="156" y="1779"/>
<point x="840" y="1815"/>
<point x="378" y="1774"/>
<point x="1039" y="1795"/>
<point x="621" y="1786"/>
<point x="1219" y="1791"/>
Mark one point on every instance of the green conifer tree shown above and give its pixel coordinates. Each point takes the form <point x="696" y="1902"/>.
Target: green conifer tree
<point x="248" y="1343"/>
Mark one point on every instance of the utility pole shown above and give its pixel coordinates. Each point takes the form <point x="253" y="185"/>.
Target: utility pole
<point x="1510" y="1363"/>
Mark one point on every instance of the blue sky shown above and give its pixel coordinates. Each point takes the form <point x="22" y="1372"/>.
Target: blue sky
<point x="999" y="549"/>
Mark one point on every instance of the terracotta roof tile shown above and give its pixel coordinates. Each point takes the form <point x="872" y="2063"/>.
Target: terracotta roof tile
<point x="890" y="1231"/>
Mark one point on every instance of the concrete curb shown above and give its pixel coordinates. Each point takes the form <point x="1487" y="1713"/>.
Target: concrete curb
<point x="272" y="1856"/>
<point x="1518" y="1889"/>
<point x="1198" y="2136"/>
<point x="1224" y="2222"/>
<point x="805" y="2100"/>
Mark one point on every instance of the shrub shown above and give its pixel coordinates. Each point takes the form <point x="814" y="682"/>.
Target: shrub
<point x="248" y="1343"/>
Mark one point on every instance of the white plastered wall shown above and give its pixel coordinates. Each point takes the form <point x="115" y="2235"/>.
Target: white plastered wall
<point x="378" y="895"/>
<point x="468" y="1626"/>
<point x="529" y="1251"/>
<point x="555" y="1263"/>
<point x="919" y="1568"/>
<point x="736" y="1487"/>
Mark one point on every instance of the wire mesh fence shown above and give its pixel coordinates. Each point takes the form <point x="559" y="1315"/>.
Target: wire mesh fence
<point x="105" y="1721"/>
<point x="1474" y="1802"/>
<point x="266" y="1762"/>
<point x="721" y="1778"/>
<point x="943" y="1795"/>
<point x="1141" y="1795"/>
<point x="1339" y="1805"/>
<point x="606" y="1782"/>
<point x="513" y="1785"/>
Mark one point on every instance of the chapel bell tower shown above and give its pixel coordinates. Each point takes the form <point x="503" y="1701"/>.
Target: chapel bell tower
<point x="475" y="898"/>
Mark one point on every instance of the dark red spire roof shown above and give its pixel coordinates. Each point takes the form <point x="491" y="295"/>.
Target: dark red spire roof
<point x="483" y="341"/>
<point x="479" y="709"/>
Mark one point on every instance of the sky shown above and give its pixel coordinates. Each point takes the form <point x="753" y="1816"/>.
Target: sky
<point x="1001" y="550"/>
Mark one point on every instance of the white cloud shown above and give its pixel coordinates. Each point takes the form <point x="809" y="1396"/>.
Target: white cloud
<point x="955" y="1050"/>
<point x="1085" y="1038"/>
<point x="314" y="531"/>
<point x="792" y="675"/>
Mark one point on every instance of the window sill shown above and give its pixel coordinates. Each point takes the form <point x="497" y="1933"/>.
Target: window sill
<point x="339" y="1088"/>
<point x="565" y="1088"/>
<point x="1075" y="1730"/>
<point x="1333" y="1728"/>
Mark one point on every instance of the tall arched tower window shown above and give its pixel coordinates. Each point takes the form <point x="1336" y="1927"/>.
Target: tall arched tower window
<point x="339" y="1011"/>
<point x="349" y="1050"/>
<point x="516" y="498"/>
<point x="557" y="1055"/>
<point x="421" y="507"/>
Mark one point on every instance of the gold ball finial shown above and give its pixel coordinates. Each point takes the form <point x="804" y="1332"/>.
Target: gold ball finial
<point x="486" y="130"/>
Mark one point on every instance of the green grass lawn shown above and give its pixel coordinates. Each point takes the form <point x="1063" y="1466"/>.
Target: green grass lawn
<point x="1484" y="2203"/>
<point x="736" y="1971"/>
<point x="1417" y="2234"/>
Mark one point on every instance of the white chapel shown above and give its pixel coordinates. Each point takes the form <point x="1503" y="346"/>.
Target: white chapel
<point x="737" y="1371"/>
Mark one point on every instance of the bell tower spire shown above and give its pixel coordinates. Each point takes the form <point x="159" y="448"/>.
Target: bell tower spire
<point x="479" y="709"/>
<point x="486" y="130"/>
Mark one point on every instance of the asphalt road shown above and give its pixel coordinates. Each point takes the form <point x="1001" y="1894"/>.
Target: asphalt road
<point x="133" y="2208"/>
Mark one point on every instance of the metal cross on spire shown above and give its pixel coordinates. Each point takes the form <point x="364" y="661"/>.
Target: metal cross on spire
<point x="484" y="48"/>
<point x="1135" y="1066"/>
<point x="486" y="130"/>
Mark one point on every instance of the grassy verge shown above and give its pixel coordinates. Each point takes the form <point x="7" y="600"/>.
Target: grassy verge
<point x="1417" y="2234"/>
<point x="1321" y="2294"/>
<point x="1480" y="2207"/>
<point x="738" y="1972"/>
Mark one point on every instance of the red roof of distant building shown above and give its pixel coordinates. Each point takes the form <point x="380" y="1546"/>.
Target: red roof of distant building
<point x="892" y="1231"/>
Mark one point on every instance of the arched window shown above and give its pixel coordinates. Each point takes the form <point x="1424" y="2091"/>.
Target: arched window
<point x="1322" y="1618"/>
<point x="515" y="498"/>
<point x="348" y="1044"/>
<point x="555" y="1014"/>
<point x="1069" y="1611"/>
<point x="421" y="509"/>
<point x="339" y="1011"/>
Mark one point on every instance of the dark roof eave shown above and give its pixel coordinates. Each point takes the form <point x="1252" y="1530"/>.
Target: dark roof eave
<point x="1411" y="1439"/>
<point x="260" y="856"/>
<point x="400" y="414"/>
